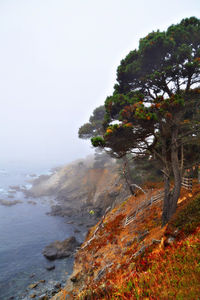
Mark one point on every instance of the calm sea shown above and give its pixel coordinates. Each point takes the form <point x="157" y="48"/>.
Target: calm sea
<point x="25" y="229"/>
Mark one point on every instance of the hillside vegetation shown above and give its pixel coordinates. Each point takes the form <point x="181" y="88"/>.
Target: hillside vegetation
<point x="140" y="260"/>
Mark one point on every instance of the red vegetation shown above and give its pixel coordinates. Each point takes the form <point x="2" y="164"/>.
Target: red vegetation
<point x="142" y="260"/>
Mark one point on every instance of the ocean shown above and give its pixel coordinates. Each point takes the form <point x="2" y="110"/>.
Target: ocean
<point x="25" y="229"/>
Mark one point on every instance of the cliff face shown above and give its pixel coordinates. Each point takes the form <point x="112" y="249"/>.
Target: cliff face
<point x="138" y="259"/>
<point x="81" y="185"/>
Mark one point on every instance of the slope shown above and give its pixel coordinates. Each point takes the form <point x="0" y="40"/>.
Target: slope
<point x="139" y="259"/>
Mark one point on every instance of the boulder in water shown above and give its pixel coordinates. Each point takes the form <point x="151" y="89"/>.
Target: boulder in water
<point x="62" y="249"/>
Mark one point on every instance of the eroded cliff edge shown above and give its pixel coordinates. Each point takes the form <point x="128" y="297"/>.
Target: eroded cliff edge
<point x="81" y="187"/>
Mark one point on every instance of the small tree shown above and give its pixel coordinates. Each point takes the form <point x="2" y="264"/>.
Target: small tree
<point x="154" y="110"/>
<point x="94" y="128"/>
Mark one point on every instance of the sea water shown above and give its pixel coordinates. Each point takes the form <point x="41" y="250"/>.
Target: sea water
<point x="25" y="229"/>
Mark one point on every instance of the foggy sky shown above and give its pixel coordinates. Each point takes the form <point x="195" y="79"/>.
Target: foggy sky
<point x="58" y="61"/>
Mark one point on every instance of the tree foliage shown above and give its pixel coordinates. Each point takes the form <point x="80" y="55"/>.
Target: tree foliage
<point x="154" y="110"/>
<point x="95" y="125"/>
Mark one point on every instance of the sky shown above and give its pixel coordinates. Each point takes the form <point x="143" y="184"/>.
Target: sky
<point x="58" y="61"/>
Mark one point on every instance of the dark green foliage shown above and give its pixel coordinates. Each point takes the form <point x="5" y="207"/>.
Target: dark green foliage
<point x="163" y="57"/>
<point x="98" y="141"/>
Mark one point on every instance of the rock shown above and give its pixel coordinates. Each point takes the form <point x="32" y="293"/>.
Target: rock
<point x="62" y="249"/>
<point x="33" y="285"/>
<point x="75" y="277"/>
<point x="32" y="296"/>
<point x="9" y="203"/>
<point x="31" y="202"/>
<point x="50" y="268"/>
<point x="53" y="292"/>
<point x="57" y="285"/>
<point x="15" y="187"/>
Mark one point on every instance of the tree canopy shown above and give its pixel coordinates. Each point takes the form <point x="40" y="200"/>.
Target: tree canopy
<point x="154" y="109"/>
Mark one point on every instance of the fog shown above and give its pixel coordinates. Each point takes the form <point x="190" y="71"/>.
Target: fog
<point x="58" y="61"/>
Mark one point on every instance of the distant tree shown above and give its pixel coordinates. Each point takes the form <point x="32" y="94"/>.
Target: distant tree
<point x="95" y="125"/>
<point x="154" y="110"/>
<point x="93" y="128"/>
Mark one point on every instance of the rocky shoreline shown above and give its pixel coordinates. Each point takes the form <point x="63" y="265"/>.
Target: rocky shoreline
<point x="45" y="290"/>
<point x="82" y="220"/>
<point x="81" y="195"/>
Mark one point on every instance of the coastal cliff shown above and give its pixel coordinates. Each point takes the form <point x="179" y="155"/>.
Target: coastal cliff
<point x="81" y="187"/>
<point x="126" y="253"/>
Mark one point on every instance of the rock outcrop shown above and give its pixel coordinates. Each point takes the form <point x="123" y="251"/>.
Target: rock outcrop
<point x="81" y="187"/>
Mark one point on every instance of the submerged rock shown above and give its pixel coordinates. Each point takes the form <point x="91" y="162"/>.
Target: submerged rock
<point x="62" y="249"/>
<point x="31" y="202"/>
<point x="9" y="202"/>
<point x="50" y="268"/>
<point x="33" y="285"/>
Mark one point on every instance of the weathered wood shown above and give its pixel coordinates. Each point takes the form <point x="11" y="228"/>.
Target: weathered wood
<point x="145" y="204"/>
<point x="187" y="183"/>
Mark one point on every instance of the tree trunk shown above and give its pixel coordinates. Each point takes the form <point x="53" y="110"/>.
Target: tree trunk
<point x="127" y="175"/>
<point x="171" y="198"/>
<point x="166" y="203"/>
